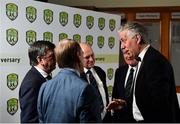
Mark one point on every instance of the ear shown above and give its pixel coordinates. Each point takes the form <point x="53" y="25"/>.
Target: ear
<point x="39" y="59"/>
<point x="139" y="38"/>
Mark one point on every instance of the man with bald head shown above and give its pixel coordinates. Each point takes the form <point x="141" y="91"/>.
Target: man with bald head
<point x="98" y="75"/>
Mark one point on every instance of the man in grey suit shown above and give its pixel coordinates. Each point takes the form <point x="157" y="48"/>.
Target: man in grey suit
<point x="67" y="98"/>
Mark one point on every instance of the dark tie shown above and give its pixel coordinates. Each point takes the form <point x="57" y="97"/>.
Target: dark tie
<point x="129" y="82"/>
<point x="94" y="83"/>
<point x="48" y="77"/>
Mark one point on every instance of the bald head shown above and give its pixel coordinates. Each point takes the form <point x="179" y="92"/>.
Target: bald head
<point x="89" y="58"/>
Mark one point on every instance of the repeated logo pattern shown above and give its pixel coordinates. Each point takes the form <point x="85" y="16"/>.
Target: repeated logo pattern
<point x="31" y="13"/>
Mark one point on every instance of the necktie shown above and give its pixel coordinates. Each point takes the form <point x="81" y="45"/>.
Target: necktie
<point x="94" y="83"/>
<point x="129" y="82"/>
<point x="48" y="77"/>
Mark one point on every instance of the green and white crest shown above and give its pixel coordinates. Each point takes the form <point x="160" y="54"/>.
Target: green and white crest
<point x="77" y="37"/>
<point x="11" y="11"/>
<point x="31" y="14"/>
<point x="63" y="18"/>
<point x="63" y="36"/>
<point x="89" y="40"/>
<point x="100" y="41"/>
<point x="90" y="21"/>
<point x="110" y="73"/>
<point x="101" y="23"/>
<point x="77" y="20"/>
<point x="48" y="36"/>
<point x="48" y="16"/>
<point x="12" y="36"/>
<point x="112" y="24"/>
<point x="30" y="37"/>
<point x="111" y="42"/>
<point x="12" y="81"/>
<point x="12" y="106"/>
<point x="110" y="88"/>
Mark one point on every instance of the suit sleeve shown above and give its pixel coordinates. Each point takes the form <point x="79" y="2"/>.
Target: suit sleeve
<point x="89" y="106"/>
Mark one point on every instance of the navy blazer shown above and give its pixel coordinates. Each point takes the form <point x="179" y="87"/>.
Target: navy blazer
<point x="68" y="99"/>
<point x="28" y="95"/>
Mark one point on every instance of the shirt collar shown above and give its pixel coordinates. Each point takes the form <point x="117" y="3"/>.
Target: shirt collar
<point x="143" y="52"/>
<point x="43" y="73"/>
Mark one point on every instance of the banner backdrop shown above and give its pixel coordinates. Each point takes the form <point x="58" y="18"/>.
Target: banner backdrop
<point x="22" y="22"/>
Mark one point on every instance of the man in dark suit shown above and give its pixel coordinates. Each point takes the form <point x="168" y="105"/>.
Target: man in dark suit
<point x="154" y="92"/>
<point x="100" y="79"/>
<point x="121" y="105"/>
<point x="42" y="60"/>
<point x="67" y="98"/>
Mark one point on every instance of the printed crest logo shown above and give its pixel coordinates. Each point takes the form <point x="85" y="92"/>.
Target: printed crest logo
<point x="11" y="11"/>
<point x="101" y="23"/>
<point x="90" y="21"/>
<point x="30" y="37"/>
<point x="12" y="106"/>
<point x="77" y="38"/>
<point x="63" y="18"/>
<point x="110" y="73"/>
<point x="110" y="88"/>
<point x="89" y="40"/>
<point x="48" y="36"/>
<point x="48" y="16"/>
<point x="31" y="14"/>
<point x="112" y="24"/>
<point x="12" y="36"/>
<point x="100" y="42"/>
<point x="12" y="81"/>
<point x="111" y="42"/>
<point x="63" y="36"/>
<point x="77" y="20"/>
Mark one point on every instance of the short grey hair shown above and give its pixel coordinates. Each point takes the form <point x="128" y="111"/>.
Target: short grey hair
<point x="135" y="28"/>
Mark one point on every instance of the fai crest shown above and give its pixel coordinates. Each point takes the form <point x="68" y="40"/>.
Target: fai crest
<point x="63" y="18"/>
<point x="12" y="81"/>
<point x="112" y="24"/>
<point x="101" y="23"/>
<point x="48" y="36"/>
<point x="30" y="37"/>
<point x="11" y="11"/>
<point x="12" y="106"/>
<point x="89" y="40"/>
<point x="77" y="37"/>
<point x="100" y="42"/>
<point x="110" y="88"/>
<point x="12" y="36"/>
<point x="111" y="42"/>
<point x="77" y="20"/>
<point x="90" y="21"/>
<point x="48" y="16"/>
<point x="110" y="73"/>
<point x="63" y="36"/>
<point x="31" y="14"/>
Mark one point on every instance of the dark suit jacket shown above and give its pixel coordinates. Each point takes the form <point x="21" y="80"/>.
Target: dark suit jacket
<point x="124" y="115"/>
<point x="68" y="99"/>
<point x="28" y="95"/>
<point x="102" y="75"/>
<point x="155" y="90"/>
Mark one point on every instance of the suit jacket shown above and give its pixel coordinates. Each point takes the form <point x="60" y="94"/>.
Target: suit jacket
<point x="28" y="95"/>
<point x="155" y="89"/>
<point x="68" y="99"/>
<point x="102" y="75"/>
<point x="125" y="114"/>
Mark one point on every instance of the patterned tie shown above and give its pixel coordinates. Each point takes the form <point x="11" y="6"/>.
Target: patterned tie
<point x="48" y="77"/>
<point x="129" y="82"/>
<point x="94" y="83"/>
